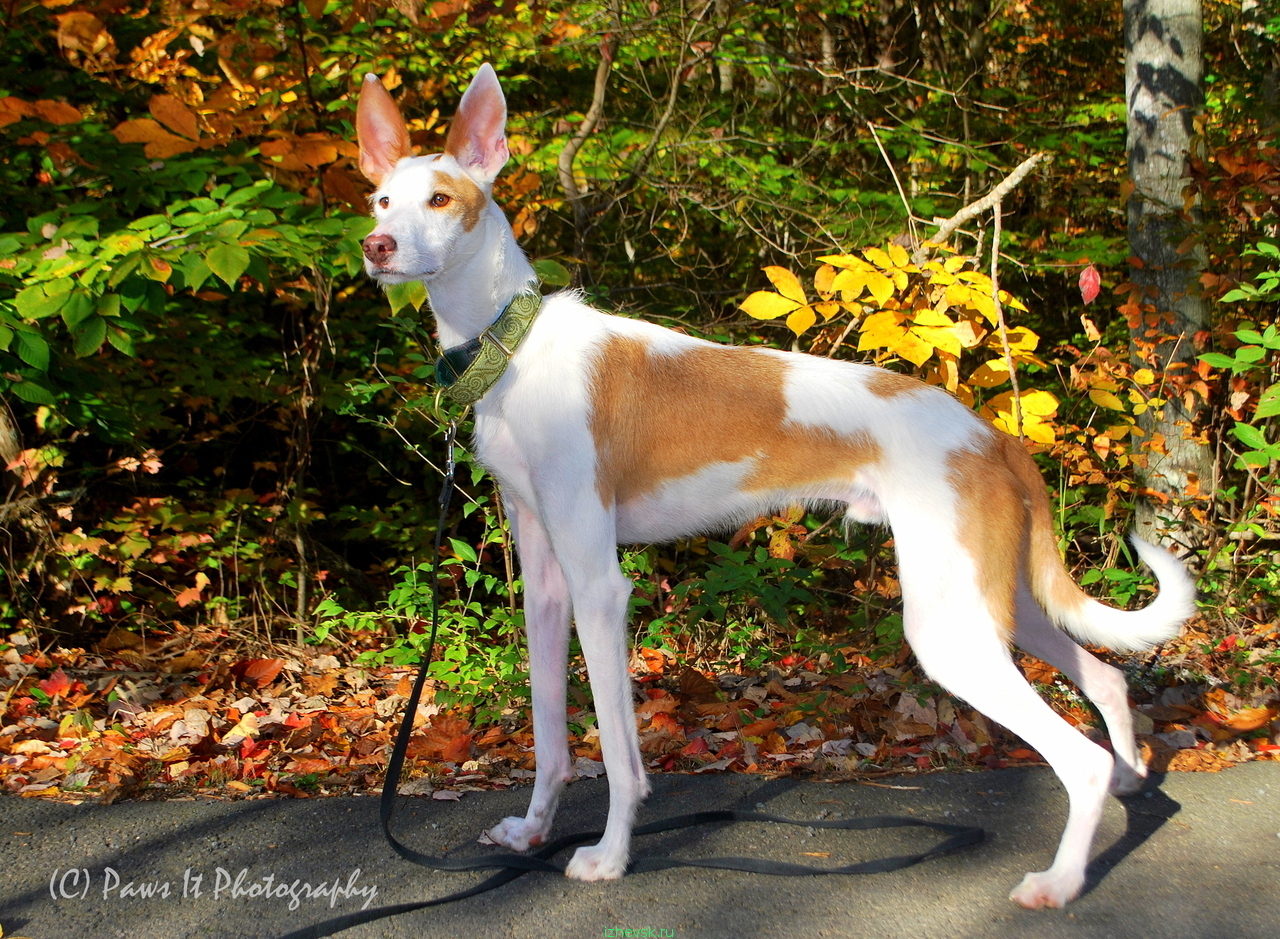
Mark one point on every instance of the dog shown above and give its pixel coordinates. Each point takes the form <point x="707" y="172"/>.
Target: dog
<point x="603" y="430"/>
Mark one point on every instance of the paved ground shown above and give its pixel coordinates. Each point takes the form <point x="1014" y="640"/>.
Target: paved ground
<point x="1196" y="858"/>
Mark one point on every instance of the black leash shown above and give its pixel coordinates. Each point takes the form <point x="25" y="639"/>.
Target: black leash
<point x="511" y="866"/>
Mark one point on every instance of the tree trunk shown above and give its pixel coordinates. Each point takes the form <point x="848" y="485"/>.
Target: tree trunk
<point x="1168" y="317"/>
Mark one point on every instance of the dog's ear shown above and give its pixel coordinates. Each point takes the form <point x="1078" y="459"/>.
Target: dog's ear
<point x="477" y="137"/>
<point x="380" y="130"/>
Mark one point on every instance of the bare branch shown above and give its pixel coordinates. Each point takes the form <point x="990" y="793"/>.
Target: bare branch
<point x="608" y="47"/>
<point x="987" y="202"/>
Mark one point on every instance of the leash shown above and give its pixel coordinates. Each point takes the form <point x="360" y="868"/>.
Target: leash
<point x="511" y="866"/>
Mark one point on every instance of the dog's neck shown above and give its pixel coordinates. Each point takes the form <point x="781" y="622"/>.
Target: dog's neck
<point x="487" y="269"/>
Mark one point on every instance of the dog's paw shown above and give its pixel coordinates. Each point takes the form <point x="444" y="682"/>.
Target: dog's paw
<point x="518" y="834"/>
<point x="1126" y="778"/>
<point x="1042" y="888"/>
<point x="593" y="863"/>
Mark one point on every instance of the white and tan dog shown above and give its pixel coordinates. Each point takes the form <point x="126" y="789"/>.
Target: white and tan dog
<point x="605" y="430"/>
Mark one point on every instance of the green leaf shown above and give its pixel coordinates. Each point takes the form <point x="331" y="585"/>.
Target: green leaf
<point x="1250" y="436"/>
<point x="552" y="273"/>
<point x="120" y="340"/>
<point x="1218" y="360"/>
<point x="34" y="303"/>
<point x="228" y="262"/>
<point x="463" y="550"/>
<point x="89" y="337"/>
<point x="31" y="392"/>
<point x="1269" y="402"/>
<point x="402" y="295"/>
<point x="33" y="350"/>
<point x="109" y="305"/>
<point x="77" y="309"/>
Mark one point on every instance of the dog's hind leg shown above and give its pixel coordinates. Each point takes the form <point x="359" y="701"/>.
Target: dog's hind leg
<point x="958" y="642"/>
<point x="546" y="612"/>
<point x="1101" y="683"/>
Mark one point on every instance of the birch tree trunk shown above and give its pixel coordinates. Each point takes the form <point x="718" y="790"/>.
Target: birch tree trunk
<point x="1169" y="316"/>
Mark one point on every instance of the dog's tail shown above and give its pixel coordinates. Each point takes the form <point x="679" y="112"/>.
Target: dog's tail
<point x="1078" y="613"/>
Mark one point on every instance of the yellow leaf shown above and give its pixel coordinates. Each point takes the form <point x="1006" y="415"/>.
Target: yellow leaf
<point x="1040" y="403"/>
<point x="845" y="261"/>
<point x="1011" y="301"/>
<point x="1144" y="376"/>
<point x="823" y="281"/>
<point x="827" y="308"/>
<point x="969" y="333"/>
<point x="879" y="258"/>
<point x="1105" y="399"/>
<point x="914" y="349"/>
<point x="898" y="255"/>
<point x="787" y="283"/>
<point x="1021" y="339"/>
<point x="982" y="303"/>
<point x="1039" y="432"/>
<point x="881" y="331"/>
<point x="767" y="305"/>
<point x="801" y="320"/>
<point x="931" y="317"/>
<point x="990" y="374"/>
<point x="881" y="287"/>
<point x="851" y="283"/>
<point x="939" y="337"/>
<point x="953" y="264"/>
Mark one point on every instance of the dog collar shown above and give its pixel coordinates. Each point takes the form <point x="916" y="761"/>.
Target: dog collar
<point x="467" y="372"/>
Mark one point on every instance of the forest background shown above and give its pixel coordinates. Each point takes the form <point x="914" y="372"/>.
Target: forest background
<point x="221" y="445"/>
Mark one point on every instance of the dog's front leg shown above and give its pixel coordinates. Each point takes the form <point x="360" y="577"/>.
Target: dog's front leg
<point x="587" y="549"/>
<point x="546" y="615"/>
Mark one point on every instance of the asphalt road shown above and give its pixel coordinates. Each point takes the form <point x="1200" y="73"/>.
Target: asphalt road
<point x="1195" y="857"/>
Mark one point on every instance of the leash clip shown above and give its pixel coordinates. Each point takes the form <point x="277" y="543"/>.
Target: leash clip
<point x="450" y="463"/>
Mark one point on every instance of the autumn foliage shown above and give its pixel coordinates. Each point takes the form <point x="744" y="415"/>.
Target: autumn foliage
<point x="219" y="439"/>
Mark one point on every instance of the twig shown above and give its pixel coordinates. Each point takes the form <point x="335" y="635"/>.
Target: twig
<point x="991" y="199"/>
<point x="911" y="218"/>
<point x="1004" y="329"/>
<point x="608" y="49"/>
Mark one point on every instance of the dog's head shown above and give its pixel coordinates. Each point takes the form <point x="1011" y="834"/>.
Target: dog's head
<point x="427" y="207"/>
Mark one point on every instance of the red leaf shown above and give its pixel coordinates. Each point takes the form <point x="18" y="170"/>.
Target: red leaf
<point x="56" y="684"/>
<point x="1089" y="284"/>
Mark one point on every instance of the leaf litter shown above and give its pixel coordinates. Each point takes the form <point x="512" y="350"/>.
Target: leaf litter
<point x="168" y="720"/>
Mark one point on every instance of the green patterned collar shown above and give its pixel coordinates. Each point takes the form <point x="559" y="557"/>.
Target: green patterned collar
<point x="467" y="372"/>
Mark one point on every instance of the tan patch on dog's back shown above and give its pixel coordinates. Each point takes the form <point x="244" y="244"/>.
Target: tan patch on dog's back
<point x="468" y="198"/>
<point x="886" y="384"/>
<point x="661" y="416"/>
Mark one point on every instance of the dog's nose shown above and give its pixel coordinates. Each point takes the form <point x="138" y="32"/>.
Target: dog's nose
<point x="379" y="248"/>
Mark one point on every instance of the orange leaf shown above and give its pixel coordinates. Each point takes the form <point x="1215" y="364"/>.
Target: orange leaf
<point x="175" y="115"/>
<point x="160" y="144"/>
<point x="458" y="749"/>
<point x="57" y="112"/>
<point x="82" y="32"/>
<point x="760" y="728"/>
<point x="261" y="672"/>
<point x="1241" y="721"/>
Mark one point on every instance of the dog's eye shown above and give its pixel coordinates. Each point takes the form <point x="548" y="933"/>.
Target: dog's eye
<point x="384" y="202"/>
<point x="440" y="200"/>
